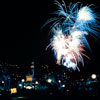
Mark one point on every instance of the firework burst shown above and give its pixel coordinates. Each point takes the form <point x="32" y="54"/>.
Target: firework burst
<point x="69" y="31"/>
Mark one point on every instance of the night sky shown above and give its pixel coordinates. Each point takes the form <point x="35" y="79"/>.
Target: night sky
<point x="19" y="36"/>
<point x="21" y="40"/>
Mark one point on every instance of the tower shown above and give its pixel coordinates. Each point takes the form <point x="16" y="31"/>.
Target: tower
<point x="32" y="69"/>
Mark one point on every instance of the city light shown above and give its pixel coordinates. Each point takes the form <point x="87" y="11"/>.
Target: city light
<point x="49" y="80"/>
<point x="23" y="80"/>
<point x="36" y="82"/>
<point x="13" y="90"/>
<point x="59" y="81"/>
<point x="2" y="81"/>
<point x="29" y="78"/>
<point x="20" y="85"/>
<point x="93" y="76"/>
<point x="24" y="86"/>
<point x="28" y="87"/>
<point x="63" y="85"/>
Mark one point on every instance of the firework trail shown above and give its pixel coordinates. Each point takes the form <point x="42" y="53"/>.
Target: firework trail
<point x="69" y="31"/>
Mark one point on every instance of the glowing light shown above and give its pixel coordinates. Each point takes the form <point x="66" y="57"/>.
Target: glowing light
<point x="59" y="81"/>
<point x="24" y="86"/>
<point x="23" y="80"/>
<point x="29" y="78"/>
<point x="20" y="85"/>
<point x="49" y="80"/>
<point x="2" y="81"/>
<point x="93" y="76"/>
<point x="28" y="87"/>
<point x="36" y="82"/>
<point x="63" y="85"/>
<point x="32" y="66"/>
<point x="32" y="86"/>
<point x="13" y="90"/>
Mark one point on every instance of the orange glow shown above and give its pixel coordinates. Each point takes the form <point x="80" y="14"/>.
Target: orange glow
<point x="29" y="78"/>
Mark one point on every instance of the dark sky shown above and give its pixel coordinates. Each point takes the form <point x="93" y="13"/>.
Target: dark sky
<point x="20" y="38"/>
<point x="19" y="33"/>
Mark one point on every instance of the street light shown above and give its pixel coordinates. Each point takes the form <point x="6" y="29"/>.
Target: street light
<point x="63" y="85"/>
<point x="20" y="85"/>
<point x="23" y="80"/>
<point x="93" y="76"/>
<point x="2" y="81"/>
<point x="49" y="80"/>
<point x="59" y="81"/>
<point x="36" y="82"/>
